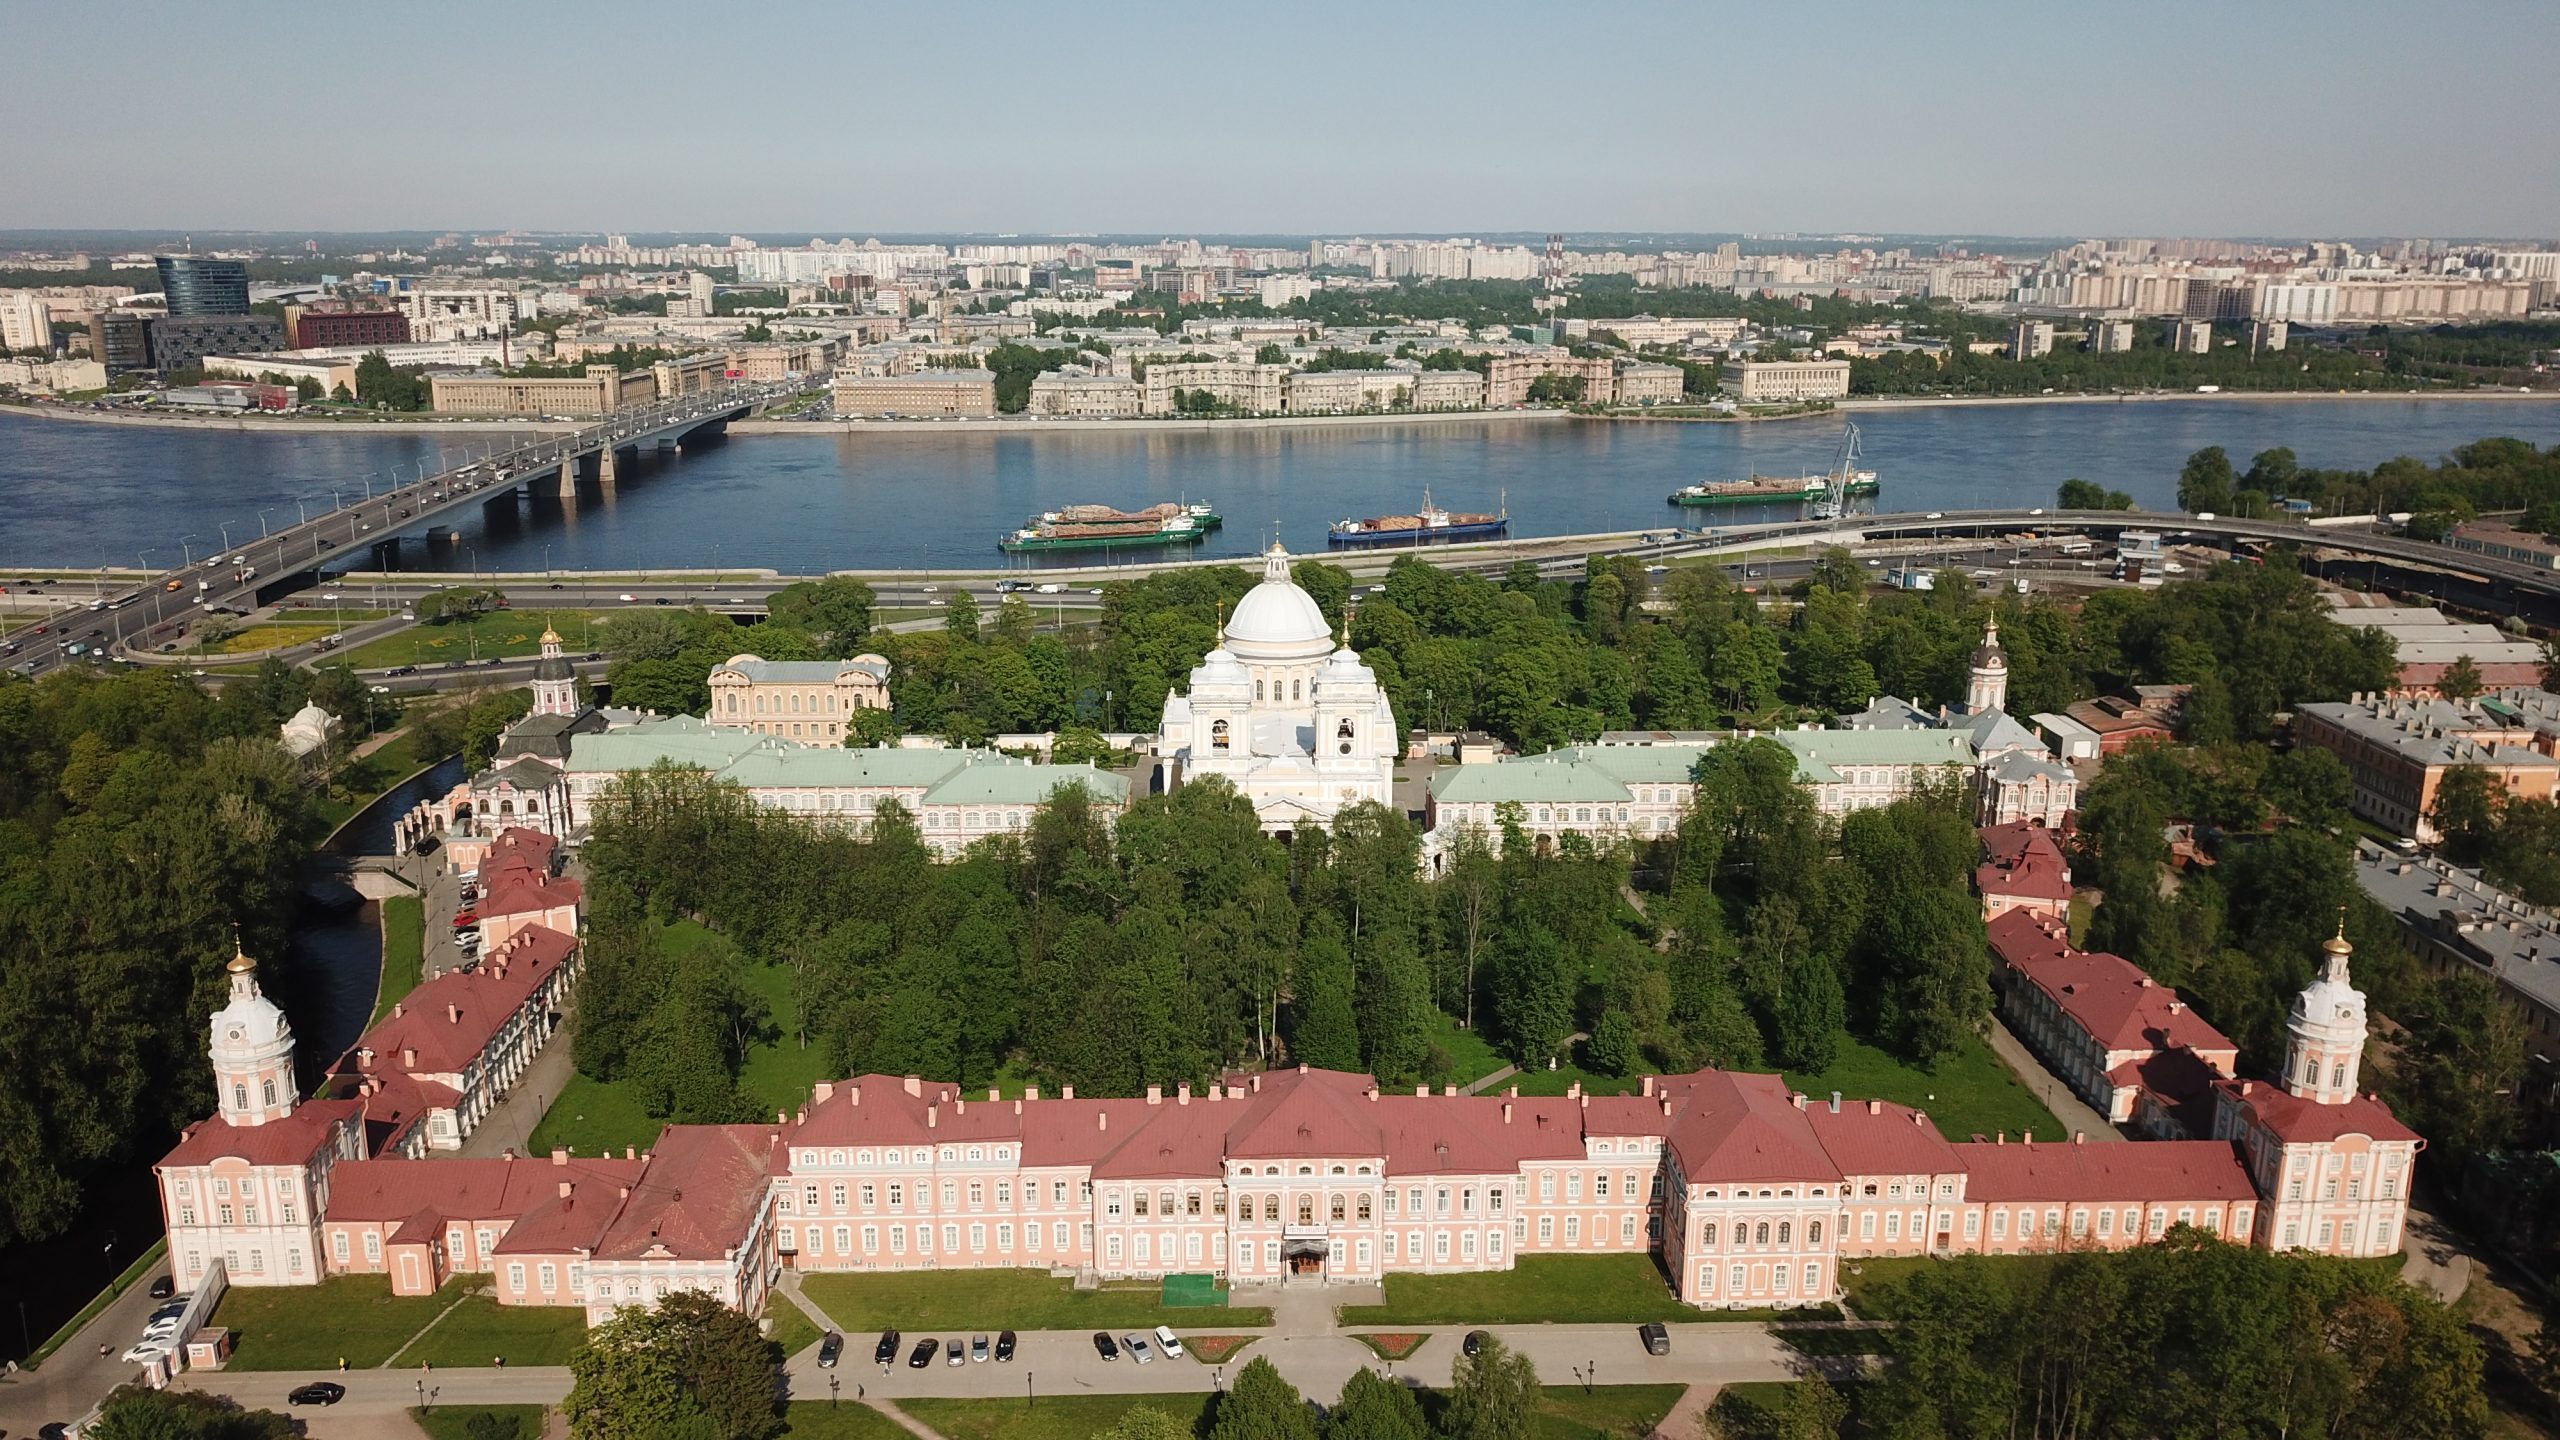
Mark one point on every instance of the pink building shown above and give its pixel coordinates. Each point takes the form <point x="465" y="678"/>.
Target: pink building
<point x="2023" y="868"/>
<point x="430" y="1070"/>
<point x="2131" y="1047"/>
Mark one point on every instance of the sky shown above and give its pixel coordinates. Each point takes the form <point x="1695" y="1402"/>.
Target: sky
<point x="2163" y="117"/>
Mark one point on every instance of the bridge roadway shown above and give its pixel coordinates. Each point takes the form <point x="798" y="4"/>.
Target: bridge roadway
<point x="148" y="614"/>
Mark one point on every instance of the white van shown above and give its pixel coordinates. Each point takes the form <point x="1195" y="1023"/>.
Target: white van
<point x="1168" y="1342"/>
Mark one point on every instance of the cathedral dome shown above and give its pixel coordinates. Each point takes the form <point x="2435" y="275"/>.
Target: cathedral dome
<point x="1276" y="620"/>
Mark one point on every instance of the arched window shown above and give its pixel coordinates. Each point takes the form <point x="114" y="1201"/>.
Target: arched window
<point x="1218" y="735"/>
<point x="1786" y="1233"/>
<point x="1813" y="1232"/>
<point x="1270" y="1207"/>
<point x="2338" y="1075"/>
<point x="269" y="1087"/>
<point x="1364" y="1207"/>
<point x="1337" y="1209"/>
<point x="1257" y="691"/>
<point x="1306" y="1209"/>
<point x="1297" y="689"/>
<point x="1342" y="734"/>
<point x="1761" y="1236"/>
<point x="1707" y="1236"/>
<point x="239" y="1096"/>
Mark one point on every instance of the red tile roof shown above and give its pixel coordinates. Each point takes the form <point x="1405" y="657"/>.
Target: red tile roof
<point x="1885" y="1140"/>
<point x="2110" y="997"/>
<point x="2291" y="1118"/>
<point x="522" y="892"/>
<point x="2022" y="858"/>
<point x="2131" y="1171"/>
<point x="457" y="1189"/>
<point x="293" y="1140"/>
<point x="1467" y="1134"/>
<point x="449" y="1020"/>
<point x="700" y="1195"/>
<point x="1305" y="1112"/>
<point x="519" y="848"/>
<point x="1742" y="1128"/>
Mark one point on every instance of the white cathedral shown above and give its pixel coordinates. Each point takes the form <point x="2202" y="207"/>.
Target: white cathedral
<point x="1289" y="716"/>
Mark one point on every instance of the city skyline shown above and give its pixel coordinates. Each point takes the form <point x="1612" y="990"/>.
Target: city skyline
<point x="1984" y="119"/>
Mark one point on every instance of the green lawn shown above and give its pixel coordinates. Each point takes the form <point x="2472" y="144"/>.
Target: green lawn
<point x="1564" y="1289"/>
<point x="252" y="639"/>
<point x="1970" y="1092"/>
<point x="1558" y="1080"/>
<point x="404" y="941"/>
<point x="1870" y="1284"/>
<point x="453" y="1422"/>
<point x="793" y="1330"/>
<point x="480" y="1330"/>
<point x="779" y="1076"/>
<point x="593" y="1118"/>
<point x="845" y="1420"/>
<point x="311" y="1327"/>
<point x="1606" y="1412"/>
<point x="1471" y="1056"/>
<point x="358" y="782"/>
<point x="928" y="1301"/>
<point x="1062" y="1417"/>
<point x="500" y="632"/>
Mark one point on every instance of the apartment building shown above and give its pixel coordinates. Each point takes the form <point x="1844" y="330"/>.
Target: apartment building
<point x="1508" y="377"/>
<point x="1328" y="392"/>
<point x="1084" y="397"/>
<point x="600" y="390"/>
<point x="1246" y="385"/>
<point x="1647" y="384"/>
<point x="2398" y="751"/>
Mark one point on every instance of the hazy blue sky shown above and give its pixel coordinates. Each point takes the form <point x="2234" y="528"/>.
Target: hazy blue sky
<point x="2253" y="117"/>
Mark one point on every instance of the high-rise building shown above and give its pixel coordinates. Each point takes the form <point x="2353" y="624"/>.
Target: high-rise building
<point x="2032" y="340"/>
<point x="199" y="285"/>
<point x="120" y="340"/>
<point x="26" y="322"/>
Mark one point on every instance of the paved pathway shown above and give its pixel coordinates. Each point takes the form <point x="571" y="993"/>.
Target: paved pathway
<point x="2070" y="1109"/>
<point x="510" y="1123"/>
<point x="77" y="1376"/>
<point x="2437" y="1258"/>
<point x="1687" y="1418"/>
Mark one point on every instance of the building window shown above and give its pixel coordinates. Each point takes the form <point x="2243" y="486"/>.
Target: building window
<point x="1707" y="1236"/>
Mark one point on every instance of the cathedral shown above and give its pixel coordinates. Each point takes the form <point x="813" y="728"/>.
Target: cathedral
<point x="1281" y="709"/>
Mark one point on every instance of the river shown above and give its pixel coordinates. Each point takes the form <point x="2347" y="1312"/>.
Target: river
<point x="78" y="495"/>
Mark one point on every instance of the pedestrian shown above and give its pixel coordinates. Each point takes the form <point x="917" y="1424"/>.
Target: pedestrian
<point x="857" y="1392"/>
<point x="342" y="1364"/>
<point x="500" y="1362"/>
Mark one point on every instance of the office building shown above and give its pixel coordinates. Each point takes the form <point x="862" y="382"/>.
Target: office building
<point x="323" y="329"/>
<point x="1769" y="382"/>
<point x="2191" y="337"/>
<point x="924" y="393"/>
<point x="181" y="342"/>
<point x="599" y="390"/>
<point x="1084" y="397"/>
<point x="2031" y="340"/>
<point x="199" y="285"/>
<point x="121" y="340"/>
<point x="2111" y="337"/>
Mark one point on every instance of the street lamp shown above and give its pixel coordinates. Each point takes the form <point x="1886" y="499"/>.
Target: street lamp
<point x="225" y="527"/>
<point x="301" y="511"/>
<point x="263" y="530"/>
<point x="185" y="549"/>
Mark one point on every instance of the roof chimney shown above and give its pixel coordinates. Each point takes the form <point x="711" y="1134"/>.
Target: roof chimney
<point x="1302" y="1067"/>
<point x="1573" y="1091"/>
<point x="1065" y="1092"/>
<point x="1017" y="1107"/>
<point x="1835" y="1102"/>
<point x="2000" y="1139"/>
<point x="408" y="1057"/>
<point x="1797" y="1099"/>
<point x="564" y="1189"/>
<point x="1030" y="1092"/>
<point x="932" y="1116"/>
<point x="2079" y="1137"/>
<point x="1647" y="1091"/>
<point x="1448" y="1092"/>
<point x="1101" y="1119"/>
<point x="914" y="1084"/>
<point x="826" y="1089"/>
<point x="398" y="1009"/>
<point x="1875" y="1107"/>
<point x="1255" y="1080"/>
<point x="1422" y="1092"/>
<point x="994" y="1094"/>
<point x="559" y="1155"/>
<point x="630" y="1152"/>
<point x="2026" y="1137"/>
<point x="959" y="1106"/>
<point x="1666" y="1103"/>
<point x="1155" y="1094"/>
<point x="1506" y="1112"/>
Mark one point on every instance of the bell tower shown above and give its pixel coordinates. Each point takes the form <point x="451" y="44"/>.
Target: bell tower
<point x="555" y="685"/>
<point x="251" y="1050"/>
<point x="1987" y="677"/>
<point x="2326" y="1030"/>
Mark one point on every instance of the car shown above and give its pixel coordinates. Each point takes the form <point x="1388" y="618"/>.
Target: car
<point x="1104" y="1346"/>
<point x="559" y="585"/>
<point x="1096" y="590"/>
<point x="144" y="1352"/>
<point x="978" y="1350"/>
<point x="922" y="1355"/>
<point x="1004" y="1346"/>
<point x="163" y="1287"/>
<point x="1873" y="563"/>
<point x="1657" y="1341"/>
<point x="1168" y="1342"/>
<point x="955" y="1353"/>
<point x="404" y="669"/>
<point x="1138" y="1348"/>
<point x="887" y="1349"/>
<point x="318" y="1392"/>
<point x="829" y="1348"/>
<point x="929" y="589"/>
<point x="627" y="598"/>
<point x="1936" y="515"/>
<point x="1474" y="1341"/>
<point x="662" y="600"/>
<point x="171" y="1312"/>
<point x="53" y="1430"/>
<point x="174" y="584"/>
<point x="466" y="919"/>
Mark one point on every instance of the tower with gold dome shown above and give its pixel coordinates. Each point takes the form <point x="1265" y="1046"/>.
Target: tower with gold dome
<point x="555" y="685"/>
<point x="1283" y="710"/>
<point x="2332" y="1167"/>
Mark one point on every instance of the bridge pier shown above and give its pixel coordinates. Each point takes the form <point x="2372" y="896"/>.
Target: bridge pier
<point x="605" y="465"/>
<point x="568" y="489"/>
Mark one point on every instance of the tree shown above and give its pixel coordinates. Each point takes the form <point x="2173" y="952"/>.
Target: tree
<point x="1373" y="1407"/>
<point x="836" y="609"/>
<point x="961" y="618"/>
<point x="2460" y="680"/>
<point x="2205" y="482"/>
<point x="1612" y="1049"/>
<point x="1493" y="1395"/>
<point x="2089" y="495"/>
<point x="690" y="1366"/>
<point x="138" y="1413"/>
<point x="2465" y="812"/>
<point x="1145" y="1422"/>
<point x="1261" y="1406"/>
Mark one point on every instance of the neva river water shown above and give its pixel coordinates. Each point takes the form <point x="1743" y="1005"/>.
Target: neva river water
<point x="76" y="494"/>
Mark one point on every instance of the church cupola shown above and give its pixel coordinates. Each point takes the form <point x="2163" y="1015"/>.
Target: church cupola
<point x="252" y="1051"/>
<point x="1987" y="676"/>
<point x="555" y="685"/>
<point x="2326" y="1031"/>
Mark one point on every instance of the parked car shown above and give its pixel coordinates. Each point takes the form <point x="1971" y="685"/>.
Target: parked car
<point x="319" y="1392"/>
<point x="955" y="1353"/>
<point x="1137" y="1347"/>
<point x="1657" y="1341"/>
<point x="1474" y="1341"/>
<point x="887" y="1349"/>
<point x="163" y="1287"/>
<point x="922" y="1355"/>
<point x="829" y="1349"/>
<point x="1004" y="1346"/>
<point x="1104" y="1346"/>
<point x="1168" y="1342"/>
<point x="143" y="1352"/>
<point x="978" y="1350"/>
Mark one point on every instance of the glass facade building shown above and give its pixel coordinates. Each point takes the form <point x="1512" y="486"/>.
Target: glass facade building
<point x="196" y="285"/>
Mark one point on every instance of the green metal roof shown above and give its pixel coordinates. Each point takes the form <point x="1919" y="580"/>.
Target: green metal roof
<point x="1642" y="764"/>
<point x="1021" y="782"/>
<point x="1528" y="780"/>
<point x="1819" y="752"/>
